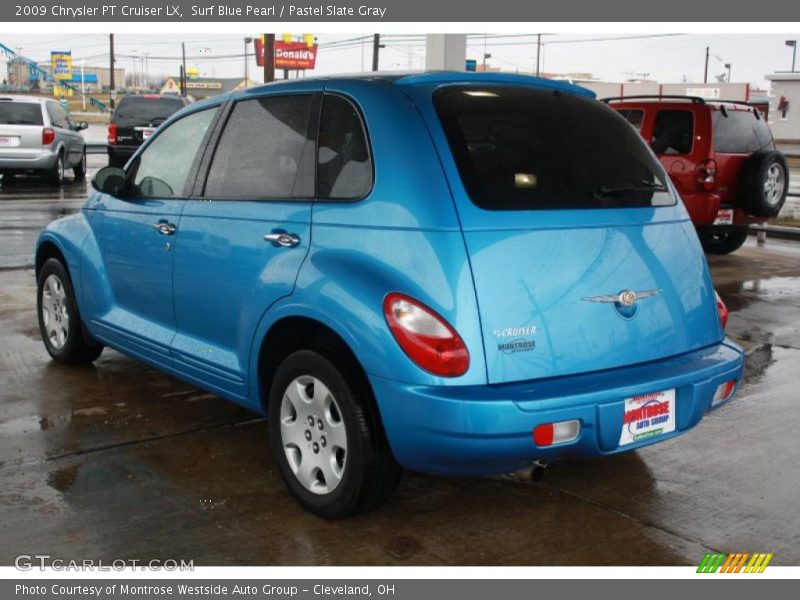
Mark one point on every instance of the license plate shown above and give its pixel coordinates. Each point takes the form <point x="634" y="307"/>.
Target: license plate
<point x="146" y="131"/>
<point x="648" y="416"/>
<point x="724" y="217"/>
<point x="9" y="140"/>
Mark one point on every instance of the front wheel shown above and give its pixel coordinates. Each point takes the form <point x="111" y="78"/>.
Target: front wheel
<point x="326" y="439"/>
<point x="722" y="240"/>
<point x="59" y="319"/>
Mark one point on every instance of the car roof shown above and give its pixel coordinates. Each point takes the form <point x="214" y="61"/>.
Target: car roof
<point x="29" y="99"/>
<point x="404" y="78"/>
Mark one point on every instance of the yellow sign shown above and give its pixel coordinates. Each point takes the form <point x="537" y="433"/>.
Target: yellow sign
<point x="62" y="91"/>
<point x="61" y="65"/>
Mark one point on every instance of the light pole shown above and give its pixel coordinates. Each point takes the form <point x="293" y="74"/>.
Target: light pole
<point x="83" y="87"/>
<point x="793" y="45"/>
<point x="133" y="52"/>
<point x="247" y="41"/>
<point x="146" y="71"/>
<point x="728" y="66"/>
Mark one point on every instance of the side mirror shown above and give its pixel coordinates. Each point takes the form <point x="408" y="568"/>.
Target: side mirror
<point x="83" y="125"/>
<point x="109" y="180"/>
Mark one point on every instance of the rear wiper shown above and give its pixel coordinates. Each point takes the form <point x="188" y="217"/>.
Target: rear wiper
<point x="644" y="186"/>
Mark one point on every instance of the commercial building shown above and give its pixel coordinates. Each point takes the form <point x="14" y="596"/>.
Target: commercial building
<point x="784" y="118"/>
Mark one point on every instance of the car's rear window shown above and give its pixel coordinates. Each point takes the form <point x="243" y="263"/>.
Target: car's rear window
<point x="137" y="110"/>
<point x="521" y="148"/>
<point x="739" y="132"/>
<point x="20" y="113"/>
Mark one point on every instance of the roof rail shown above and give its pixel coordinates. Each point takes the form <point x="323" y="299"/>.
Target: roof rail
<point x="696" y="99"/>
<point x="742" y="102"/>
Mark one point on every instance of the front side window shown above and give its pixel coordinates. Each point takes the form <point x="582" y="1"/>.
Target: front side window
<point x="633" y="116"/>
<point x="344" y="168"/>
<point x="520" y="148"/>
<point x="165" y="164"/>
<point x="673" y="132"/>
<point x="265" y="152"/>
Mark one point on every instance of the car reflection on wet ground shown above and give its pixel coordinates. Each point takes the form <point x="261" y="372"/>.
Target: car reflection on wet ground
<point x="116" y="460"/>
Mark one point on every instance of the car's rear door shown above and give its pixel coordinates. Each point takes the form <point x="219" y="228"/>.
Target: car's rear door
<point x="21" y="125"/>
<point x="582" y="258"/>
<point x="245" y="234"/>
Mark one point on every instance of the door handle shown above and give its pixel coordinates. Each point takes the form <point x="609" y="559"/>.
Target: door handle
<point x="287" y="240"/>
<point x="164" y="228"/>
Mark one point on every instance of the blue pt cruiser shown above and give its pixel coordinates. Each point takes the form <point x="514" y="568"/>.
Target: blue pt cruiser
<point x="449" y="272"/>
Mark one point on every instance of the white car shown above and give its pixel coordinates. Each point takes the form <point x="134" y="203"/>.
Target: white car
<point x="37" y="135"/>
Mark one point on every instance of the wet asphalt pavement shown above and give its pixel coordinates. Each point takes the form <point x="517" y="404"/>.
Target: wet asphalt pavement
<point x="116" y="460"/>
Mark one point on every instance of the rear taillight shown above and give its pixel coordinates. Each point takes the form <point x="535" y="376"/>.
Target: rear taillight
<point x="48" y="136"/>
<point x="722" y="310"/>
<point x="548" y="434"/>
<point x="425" y="337"/>
<point x="112" y="133"/>
<point x="707" y="175"/>
<point x="724" y="392"/>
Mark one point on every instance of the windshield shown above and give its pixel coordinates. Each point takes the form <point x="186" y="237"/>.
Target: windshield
<point x="20" y="113"/>
<point x="521" y="149"/>
<point x="138" y="110"/>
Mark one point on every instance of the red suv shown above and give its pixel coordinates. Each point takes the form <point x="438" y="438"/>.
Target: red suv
<point x="721" y="157"/>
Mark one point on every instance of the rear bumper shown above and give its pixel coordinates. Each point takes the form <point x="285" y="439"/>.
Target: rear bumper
<point x="120" y="152"/>
<point x="38" y="161"/>
<point x="473" y="430"/>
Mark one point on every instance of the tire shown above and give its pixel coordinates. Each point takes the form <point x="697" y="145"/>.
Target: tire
<point x="9" y="178"/>
<point x="60" y="322"/>
<point x="764" y="184"/>
<point x="722" y="240"/>
<point x="341" y="465"/>
<point x="56" y="174"/>
<point x="80" y="169"/>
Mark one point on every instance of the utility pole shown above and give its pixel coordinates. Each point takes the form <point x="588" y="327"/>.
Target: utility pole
<point x="247" y="40"/>
<point x="376" y="48"/>
<point x="705" y="72"/>
<point x="269" y="57"/>
<point x="146" y="71"/>
<point x="111" y="83"/>
<point x="183" y="69"/>
<point x="538" y="54"/>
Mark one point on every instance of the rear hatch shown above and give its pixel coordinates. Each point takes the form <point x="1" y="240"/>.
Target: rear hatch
<point x="565" y="212"/>
<point x="21" y="125"/>
<point x="137" y="117"/>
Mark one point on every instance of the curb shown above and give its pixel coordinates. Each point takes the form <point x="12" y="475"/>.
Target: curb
<point x="776" y="231"/>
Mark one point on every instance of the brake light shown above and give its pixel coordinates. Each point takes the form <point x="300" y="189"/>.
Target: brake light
<point x="722" y="310"/>
<point x="561" y="432"/>
<point x="112" y="133"/>
<point x="48" y="136"/>
<point x="707" y="175"/>
<point x="428" y="340"/>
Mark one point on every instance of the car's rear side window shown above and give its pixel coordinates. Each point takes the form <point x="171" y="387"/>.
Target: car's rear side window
<point x="21" y="113"/>
<point x="634" y="116"/>
<point x="739" y="132"/>
<point x="344" y="167"/>
<point x="673" y="132"/>
<point x="266" y="151"/>
<point x="525" y="148"/>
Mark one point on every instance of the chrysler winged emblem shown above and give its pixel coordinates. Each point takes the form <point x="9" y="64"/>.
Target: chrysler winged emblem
<point x="626" y="298"/>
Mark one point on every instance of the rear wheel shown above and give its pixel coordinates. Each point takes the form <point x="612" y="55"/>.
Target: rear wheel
<point x="56" y="174"/>
<point x="326" y="439"/>
<point x="722" y="240"/>
<point x="59" y="320"/>
<point x="764" y="183"/>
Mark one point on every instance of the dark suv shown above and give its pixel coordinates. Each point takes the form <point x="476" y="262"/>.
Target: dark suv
<point x="721" y="157"/>
<point x="134" y="120"/>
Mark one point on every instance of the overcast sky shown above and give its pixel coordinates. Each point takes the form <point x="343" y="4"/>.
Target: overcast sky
<point x="666" y="58"/>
